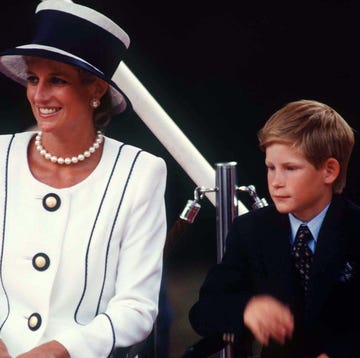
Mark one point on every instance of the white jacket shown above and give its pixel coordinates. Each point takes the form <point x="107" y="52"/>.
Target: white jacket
<point x="86" y="273"/>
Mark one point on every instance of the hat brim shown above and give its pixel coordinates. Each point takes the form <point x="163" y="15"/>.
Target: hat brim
<point x="12" y="64"/>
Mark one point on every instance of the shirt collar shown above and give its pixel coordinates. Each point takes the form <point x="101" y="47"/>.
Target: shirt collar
<point x="314" y="224"/>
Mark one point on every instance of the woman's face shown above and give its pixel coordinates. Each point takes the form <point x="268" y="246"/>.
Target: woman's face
<point x="59" y="99"/>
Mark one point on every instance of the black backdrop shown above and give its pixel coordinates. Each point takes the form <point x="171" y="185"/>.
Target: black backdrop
<point x="219" y="68"/>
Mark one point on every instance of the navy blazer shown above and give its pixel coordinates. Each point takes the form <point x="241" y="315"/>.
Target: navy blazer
<point x="257" y="260"/>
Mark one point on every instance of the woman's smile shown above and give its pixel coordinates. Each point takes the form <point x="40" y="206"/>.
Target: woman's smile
<point x="48" y="110"/>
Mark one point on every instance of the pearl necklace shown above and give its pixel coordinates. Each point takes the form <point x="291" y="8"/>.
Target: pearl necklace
<point x="72" y="160"/>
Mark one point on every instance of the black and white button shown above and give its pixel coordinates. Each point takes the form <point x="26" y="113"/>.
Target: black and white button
<point x="51" y="202"/>
<point x="34" y="321"/>
<point x="41" y="261"/>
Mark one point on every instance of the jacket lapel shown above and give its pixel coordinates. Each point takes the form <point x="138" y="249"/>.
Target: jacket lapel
<point x="329" y="256"/>
<point x="277" y="259"/>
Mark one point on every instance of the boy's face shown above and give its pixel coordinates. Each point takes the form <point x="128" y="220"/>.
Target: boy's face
<point x="295" y="185"/>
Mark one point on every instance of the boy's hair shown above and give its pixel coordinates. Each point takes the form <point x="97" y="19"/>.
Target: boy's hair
<point x="314" y="128"/>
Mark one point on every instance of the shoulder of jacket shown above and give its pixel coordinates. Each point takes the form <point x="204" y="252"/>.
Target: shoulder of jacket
<point x="129" y="148"/>
<point x="259" y="214"/>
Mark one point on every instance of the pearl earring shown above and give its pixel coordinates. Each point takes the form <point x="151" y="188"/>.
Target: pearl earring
<point x="95" y="103"/>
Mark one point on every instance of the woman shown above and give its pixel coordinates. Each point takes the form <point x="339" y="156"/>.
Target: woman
<point x="83" y="217"/>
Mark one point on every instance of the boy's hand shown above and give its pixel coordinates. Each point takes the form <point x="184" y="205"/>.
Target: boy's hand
<point x="3" y="350"/>
<point x="267" y="317"/>
<point x="51" y="349"/>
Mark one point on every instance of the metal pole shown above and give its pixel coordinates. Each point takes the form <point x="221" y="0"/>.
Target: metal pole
<point x="226" y="203"/>
<point x="226" y="210"/>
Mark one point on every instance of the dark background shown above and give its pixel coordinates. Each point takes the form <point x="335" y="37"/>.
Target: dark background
<point x="219" y="69"/>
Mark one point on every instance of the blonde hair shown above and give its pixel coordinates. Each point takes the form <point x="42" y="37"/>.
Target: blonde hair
<point x="314" y="128"/>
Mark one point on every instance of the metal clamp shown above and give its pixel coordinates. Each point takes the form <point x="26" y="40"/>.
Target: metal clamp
<point x="258" y="203"/>
<point x="193" y="207"/>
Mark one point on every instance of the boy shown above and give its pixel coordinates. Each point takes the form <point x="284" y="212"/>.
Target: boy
<point x="294" y="305"/>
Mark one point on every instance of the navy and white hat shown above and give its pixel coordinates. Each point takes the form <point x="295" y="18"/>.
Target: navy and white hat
<point x="76" y="35"/>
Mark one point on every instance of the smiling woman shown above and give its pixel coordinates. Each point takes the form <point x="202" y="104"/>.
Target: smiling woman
<point x="77" y="279"/>
<point x="63" y="105"/>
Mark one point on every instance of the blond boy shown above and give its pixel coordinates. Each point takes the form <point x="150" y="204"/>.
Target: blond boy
<point x="299" y="299"/>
